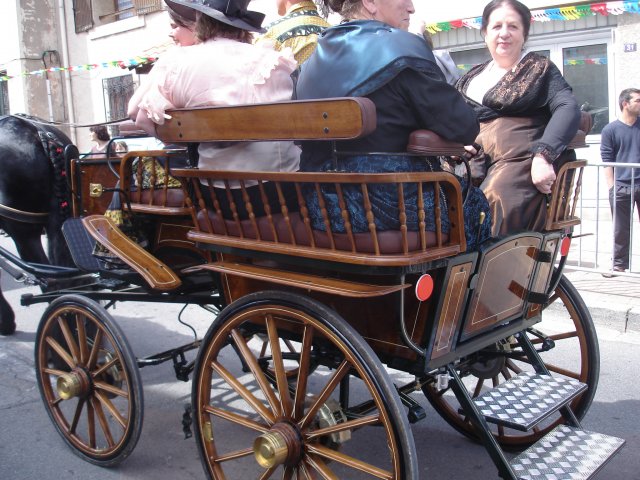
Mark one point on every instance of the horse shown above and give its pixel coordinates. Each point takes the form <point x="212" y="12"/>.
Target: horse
<point x="34" y="195"/>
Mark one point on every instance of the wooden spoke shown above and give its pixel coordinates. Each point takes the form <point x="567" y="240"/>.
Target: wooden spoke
<point x="235" y="418"/>
<point x="321" y="467"/>
<point x="53" y="371"/>
<point x="105" y="367"/>
<point x="243" y="392"/>
<point x="246" y="452"/>
<point x="478" y="389"/>
<point x="278" y="364"/>
<point x="66" y="358"/>
<point x="338" y="375"/>
<point x="349" y="461"/>
<point x="258" y="374"/>
<point x="267" y="473"/>
<point x="303" y="372"/>
<point x="68" y="336"/>
<point x="111" y="389"/>
<point x="306" y="474"/>
<point x="288" y="473"/>
<point x="104" y="424"/>
<point x="91" y="424"/>
<point x="340" y="427"/>
<point x="76" y="416"/>
<point x="82" y="340"/>
<point x="112" y="409"/>
<point x="513" y="367"/>
<point x="95" y="350"/>
<point x="563" y="371"/>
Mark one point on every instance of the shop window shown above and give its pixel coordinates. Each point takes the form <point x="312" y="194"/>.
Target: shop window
<point x="117" y="91"/>
<point x="585" y="69"/>
<point x="4" y="95"/>
<point x="465" y="59"/>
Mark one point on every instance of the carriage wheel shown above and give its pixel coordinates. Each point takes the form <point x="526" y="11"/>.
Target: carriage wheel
<point x="575" y="355"/>
<point x="314" y="403"/>
<point x="89" y="380"/>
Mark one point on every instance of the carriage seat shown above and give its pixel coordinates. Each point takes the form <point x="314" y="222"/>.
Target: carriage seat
<point x="149" y="185"/>
<point x="291" y="233"/>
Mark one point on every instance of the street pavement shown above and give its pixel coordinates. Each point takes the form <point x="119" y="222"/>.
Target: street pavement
<point x="30" y="448"/>
<point x="613" y="302"/>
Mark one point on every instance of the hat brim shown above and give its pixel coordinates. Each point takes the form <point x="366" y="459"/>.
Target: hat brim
<point x="188" y="9"/>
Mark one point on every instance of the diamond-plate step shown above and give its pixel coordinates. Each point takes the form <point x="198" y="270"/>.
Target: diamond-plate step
<point x="526" y="399"/>
<point x="566" y="453"/>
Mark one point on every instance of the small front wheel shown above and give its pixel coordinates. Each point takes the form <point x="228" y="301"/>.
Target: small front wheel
<point x="89" y="380"/>
<point x="285" y="388"/>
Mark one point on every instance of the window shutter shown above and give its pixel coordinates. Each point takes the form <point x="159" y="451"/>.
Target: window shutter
<point x="83" y="15"/>
<point x="147" y="6"/>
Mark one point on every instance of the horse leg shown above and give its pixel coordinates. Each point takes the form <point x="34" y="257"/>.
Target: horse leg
<point x="7" y="317"/>
<point x="26" y="237"/>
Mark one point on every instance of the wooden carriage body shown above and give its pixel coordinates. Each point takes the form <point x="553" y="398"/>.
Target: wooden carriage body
<point x="418" y="299"/>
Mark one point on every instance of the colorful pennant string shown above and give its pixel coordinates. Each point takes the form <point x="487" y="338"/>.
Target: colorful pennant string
<point x="569" y="12"/>
<point x="132" y="62"/>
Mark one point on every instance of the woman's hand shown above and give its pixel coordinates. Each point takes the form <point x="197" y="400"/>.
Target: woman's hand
<point x="542" y="174"/>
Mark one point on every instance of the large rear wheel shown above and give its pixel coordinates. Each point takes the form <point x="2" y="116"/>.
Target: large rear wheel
<point x="89" y="380"/>
<point x="285" y="388"/>
<point x="574" y="353"/>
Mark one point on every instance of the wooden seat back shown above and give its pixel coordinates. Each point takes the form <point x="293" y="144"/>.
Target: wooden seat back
<point x="327" y="119"/>
<point x="149" y="186"/>
<point x="291" y="233"/>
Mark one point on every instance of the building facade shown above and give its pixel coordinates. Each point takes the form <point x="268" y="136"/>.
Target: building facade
<point x="92" y="43"/>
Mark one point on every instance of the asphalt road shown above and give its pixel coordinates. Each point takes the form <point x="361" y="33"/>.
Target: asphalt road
<point x="30" y="447"/>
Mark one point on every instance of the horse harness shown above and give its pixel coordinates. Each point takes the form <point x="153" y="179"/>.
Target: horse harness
<point x="54" y="149"/>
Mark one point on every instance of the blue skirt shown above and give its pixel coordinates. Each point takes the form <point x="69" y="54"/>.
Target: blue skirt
<point x="384" y="200"/>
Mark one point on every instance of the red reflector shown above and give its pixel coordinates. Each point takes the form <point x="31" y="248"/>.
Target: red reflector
<point x="424" y="287"/>
<point x="564" y="247"/>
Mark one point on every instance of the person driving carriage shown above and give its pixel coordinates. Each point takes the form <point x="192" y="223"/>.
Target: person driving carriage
<point x="224" y="68"/>
<point x="371" y="54"/>
<point x="528" y="115"/>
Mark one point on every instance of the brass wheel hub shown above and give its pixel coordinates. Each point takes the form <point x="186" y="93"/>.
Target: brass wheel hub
<point x="73" y="384"/>
<point x="280" y="445"/>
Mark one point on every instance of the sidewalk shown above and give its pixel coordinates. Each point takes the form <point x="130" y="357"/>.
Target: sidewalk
<point x="613" y="302"/>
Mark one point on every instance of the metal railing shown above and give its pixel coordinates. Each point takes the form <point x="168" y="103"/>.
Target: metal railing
<point x="592" y="247"/>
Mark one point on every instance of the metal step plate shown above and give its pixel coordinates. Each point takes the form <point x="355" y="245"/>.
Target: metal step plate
<point x="526" y="399"/>
<point x="566" y="453"/>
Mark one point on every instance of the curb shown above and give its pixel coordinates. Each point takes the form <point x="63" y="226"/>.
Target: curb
<point x="613" y="302"/>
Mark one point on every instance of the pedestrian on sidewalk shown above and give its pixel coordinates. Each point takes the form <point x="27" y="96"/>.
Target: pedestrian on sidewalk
<point x="620" y="143"/>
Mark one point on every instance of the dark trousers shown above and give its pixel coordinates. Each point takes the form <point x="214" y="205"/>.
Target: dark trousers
<point x="624" y="200"/>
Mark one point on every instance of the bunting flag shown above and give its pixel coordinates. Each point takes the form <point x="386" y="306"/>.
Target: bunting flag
<point x="132" y="62"/>
<point x="569" y="12"/>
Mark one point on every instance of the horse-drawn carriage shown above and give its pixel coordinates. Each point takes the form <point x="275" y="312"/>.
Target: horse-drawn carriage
<point x="297" y="374"/>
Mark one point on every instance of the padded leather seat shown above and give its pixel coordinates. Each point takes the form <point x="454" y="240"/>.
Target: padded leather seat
<point x="389" y="241"/>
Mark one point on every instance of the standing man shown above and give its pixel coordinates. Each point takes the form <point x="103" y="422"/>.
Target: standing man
<point x="621" y="144"/>
<point x="298" y="28"/>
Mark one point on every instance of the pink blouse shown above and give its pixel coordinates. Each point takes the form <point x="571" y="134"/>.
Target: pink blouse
<point x="216" y="73"/>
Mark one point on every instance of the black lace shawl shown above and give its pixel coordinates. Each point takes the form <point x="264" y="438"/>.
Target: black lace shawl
<point x="534" y="87"/>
